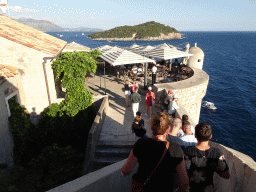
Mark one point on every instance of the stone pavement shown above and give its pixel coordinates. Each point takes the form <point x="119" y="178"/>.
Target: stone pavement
<point x="117" y="124"/>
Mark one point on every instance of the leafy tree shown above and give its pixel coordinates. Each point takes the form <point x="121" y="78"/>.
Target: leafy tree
<point x="52" y="152"/>
<point x="22" y="131"/>
<point x="72" y="68"/>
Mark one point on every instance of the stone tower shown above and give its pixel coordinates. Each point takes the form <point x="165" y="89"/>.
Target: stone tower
<point x="197" y="60"/>
<point x="191" y="91"/>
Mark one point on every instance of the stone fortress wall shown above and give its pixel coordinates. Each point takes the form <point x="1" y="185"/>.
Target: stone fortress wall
<point x="190" y="92"/>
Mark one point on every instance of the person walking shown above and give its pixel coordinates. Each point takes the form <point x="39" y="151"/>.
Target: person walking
<point x="135" y="98"/>
<point x="203" y="160"/>
<point x="158" y="160"/>
<point x="134" y="85"/>
<point x="137" y="128"/>
<point x="150" y="96"/>
<point x="127" y="92"/>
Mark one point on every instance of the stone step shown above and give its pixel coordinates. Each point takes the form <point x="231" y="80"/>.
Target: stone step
<point x="101" y="162"/>
<point x="109" y="152"/>
<point x="116" y="144"/>
<point x="107" y="160"/>
<point x="103" y="151"/>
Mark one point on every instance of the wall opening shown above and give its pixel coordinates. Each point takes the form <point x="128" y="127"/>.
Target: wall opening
<point x="14" y="96"/>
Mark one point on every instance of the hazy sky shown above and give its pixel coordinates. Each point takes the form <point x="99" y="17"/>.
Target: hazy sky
<point x="184" y="15"/>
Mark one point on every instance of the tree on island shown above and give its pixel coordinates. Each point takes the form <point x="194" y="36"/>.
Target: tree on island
<point x="148" y="29"/>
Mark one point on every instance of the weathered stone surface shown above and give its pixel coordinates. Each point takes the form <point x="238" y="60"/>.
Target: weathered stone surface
<point x="190" y="92"/>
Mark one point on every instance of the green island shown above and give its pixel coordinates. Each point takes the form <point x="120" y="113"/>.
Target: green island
<point x="146" y="31"/>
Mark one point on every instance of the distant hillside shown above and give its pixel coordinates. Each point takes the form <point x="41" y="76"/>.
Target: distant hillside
<point x="150" y="31"/>
<point x="44" y="25"/>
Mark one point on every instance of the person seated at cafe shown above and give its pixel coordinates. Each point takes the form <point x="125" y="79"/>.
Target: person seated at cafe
<point x="134" y="68"/>
<point x="135" y="71"/>
<point x="118" y="71"/>
<point x="162" y="62"/>
<point x="141" y="68"/>
<point x="176" y="62"/>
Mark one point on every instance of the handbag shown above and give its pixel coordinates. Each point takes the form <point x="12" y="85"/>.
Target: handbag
<point x="139" y="186"/>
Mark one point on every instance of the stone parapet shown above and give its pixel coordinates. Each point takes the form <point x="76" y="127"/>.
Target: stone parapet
<point x="190" y="92"/>
<point x="94" y="135"/>
<point x="242" y="176"/>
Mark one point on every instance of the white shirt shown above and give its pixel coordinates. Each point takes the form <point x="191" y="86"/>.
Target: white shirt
<point x="172" y="107"/>
<point x="192" y="129"/>
<point x="154" y="69"/>
<point x="188" y="140"/>
<point x="134" y="69"/>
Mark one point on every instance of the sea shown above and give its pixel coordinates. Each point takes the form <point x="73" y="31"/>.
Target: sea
<point x="230" y="61"/>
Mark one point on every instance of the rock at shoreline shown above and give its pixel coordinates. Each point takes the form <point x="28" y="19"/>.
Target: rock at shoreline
<point x="162" y="37"/>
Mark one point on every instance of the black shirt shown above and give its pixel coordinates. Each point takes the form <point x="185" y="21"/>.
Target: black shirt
<point x="126" y="87"/>
<point x="149" y="151"/>
<point x="138" y="130"/>
<point x="203" y="165"/>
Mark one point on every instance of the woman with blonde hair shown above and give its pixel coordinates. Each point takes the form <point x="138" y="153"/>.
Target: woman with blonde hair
<point x="127" y="92"/>
<point x="158" y="160"/>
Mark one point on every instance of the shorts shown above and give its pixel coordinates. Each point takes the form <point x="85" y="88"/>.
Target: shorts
<point x="127" y="92"/>
<point x="149" y="103"/>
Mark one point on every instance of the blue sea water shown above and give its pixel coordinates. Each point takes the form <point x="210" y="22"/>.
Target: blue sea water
<point x="230" y="61"/>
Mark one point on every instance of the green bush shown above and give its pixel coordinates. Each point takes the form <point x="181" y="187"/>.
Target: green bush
<point x="52" y="153"/>
<point x="55" y="166"/>
<point x="22" y="130"/>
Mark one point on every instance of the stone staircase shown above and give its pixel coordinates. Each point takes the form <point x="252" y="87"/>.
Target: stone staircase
<point x="109" y="152"/>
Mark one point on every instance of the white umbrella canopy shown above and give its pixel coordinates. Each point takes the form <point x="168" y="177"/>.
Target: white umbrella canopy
<point x="123" y="57"/>
<point x="104" y="47"/>
<point x="141" y="49"/>
<point x="165" y="51"/>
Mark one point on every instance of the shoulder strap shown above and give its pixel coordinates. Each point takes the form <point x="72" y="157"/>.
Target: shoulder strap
<point x="166" y="148"/>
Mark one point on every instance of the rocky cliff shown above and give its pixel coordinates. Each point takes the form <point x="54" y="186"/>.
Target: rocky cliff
<point x="161" y="37"/>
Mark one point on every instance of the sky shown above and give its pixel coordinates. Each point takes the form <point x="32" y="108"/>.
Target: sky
<point x="183" y="15"/>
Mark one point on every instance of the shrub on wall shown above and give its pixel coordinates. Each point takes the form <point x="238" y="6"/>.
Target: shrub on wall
<point x="56" y="165"/>
<point x="22" y="130"/>
<point x="71" y="68"/>
<point x="53" y="151"/>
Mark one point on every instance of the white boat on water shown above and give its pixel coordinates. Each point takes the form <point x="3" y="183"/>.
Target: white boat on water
<point x="61" y="35"/>
<point x="82" y="33"/>
<point x="209" y="105"/>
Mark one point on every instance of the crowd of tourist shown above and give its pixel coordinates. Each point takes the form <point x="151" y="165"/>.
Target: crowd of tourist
<point x="178" y="156"/>
<point x="177" y="163"/>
